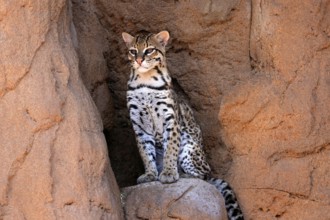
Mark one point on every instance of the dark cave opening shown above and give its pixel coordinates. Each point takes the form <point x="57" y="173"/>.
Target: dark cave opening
<point x="124" y="156"/>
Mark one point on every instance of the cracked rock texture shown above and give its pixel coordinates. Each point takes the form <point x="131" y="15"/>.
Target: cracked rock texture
<point x="277" y="123"/>
<point x="257" y="74"/>
<point x="54" y="160"/>
<point x="187" y="199"/>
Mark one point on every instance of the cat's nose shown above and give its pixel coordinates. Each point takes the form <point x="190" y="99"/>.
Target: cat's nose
<point x="139" y="60"/>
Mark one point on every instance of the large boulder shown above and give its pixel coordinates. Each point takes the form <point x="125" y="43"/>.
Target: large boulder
<point x="187" y="199"/>
<point x="54" y="160"/>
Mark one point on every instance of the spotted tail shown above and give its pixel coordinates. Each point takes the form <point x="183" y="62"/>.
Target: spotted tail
<point x="233" y="210"/>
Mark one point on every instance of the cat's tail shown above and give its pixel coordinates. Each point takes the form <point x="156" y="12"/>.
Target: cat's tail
<point x="234" y="212"/>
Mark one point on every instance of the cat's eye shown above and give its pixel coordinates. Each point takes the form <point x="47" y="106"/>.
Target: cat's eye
<point x="133" y="52"/>
<point x="149" y="51"/>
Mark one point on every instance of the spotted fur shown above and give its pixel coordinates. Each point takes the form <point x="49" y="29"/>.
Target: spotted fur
<point x="168" y="138"/>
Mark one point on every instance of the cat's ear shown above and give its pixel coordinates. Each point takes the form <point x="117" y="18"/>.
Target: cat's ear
<point x="127" y="38"/>
<point x="163" y="37"/>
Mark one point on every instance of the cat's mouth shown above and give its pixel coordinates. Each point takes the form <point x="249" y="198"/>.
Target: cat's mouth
<point x="142" y="67"/>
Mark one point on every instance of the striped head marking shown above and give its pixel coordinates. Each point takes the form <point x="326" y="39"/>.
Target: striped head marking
<point x="146" y="50"/>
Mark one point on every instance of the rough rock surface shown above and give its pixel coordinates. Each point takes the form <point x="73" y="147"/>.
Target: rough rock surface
<point x="277" y="123"/>
<point x="97" y="56"/>
<point x="92" y="49"/>
<point x="54" y="161"/>
<point x="187" y="199"/>
<point x="258" y="77"/>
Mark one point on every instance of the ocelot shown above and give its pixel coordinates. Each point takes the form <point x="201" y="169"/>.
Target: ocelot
<point x="168" y="138"/>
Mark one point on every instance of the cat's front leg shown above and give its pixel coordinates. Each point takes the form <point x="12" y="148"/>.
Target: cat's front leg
<point x="146" y="146"/>
<point x="171" y="147"/>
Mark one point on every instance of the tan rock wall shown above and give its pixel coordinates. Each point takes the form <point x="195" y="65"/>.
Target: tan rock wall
<point x="277" y="123"/>
<point x="54" y="161"/>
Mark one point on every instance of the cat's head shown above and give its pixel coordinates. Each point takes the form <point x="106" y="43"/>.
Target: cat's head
<point x="146" y="50"/>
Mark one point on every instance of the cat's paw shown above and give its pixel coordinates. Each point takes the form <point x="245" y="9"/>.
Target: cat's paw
<point x="169" y="176"/>
<point x="147" y="177"/>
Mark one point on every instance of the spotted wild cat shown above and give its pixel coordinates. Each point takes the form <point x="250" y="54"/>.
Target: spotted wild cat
<point x="168" y="138"/>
